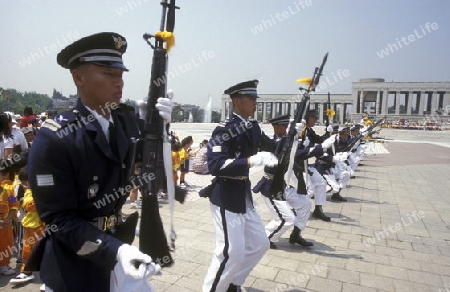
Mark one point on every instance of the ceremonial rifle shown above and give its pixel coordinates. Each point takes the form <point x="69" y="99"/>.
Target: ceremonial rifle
<point x="369" y="131"/>
<point x="155" y="150"/>
<point x="328" y="112"/>
<point x="284" y="153"/>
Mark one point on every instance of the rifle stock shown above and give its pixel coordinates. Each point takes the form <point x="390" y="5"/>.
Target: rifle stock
<point x="283" y="154"/>
<point x="152" y="238"/>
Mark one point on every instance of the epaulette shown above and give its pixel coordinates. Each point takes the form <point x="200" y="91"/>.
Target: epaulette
<point x="223" y="123"/>
<point x="52" y="125"/>
<point x="60" y="121"/>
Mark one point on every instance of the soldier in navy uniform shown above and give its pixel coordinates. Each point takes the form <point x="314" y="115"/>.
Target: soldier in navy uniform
<point x="78" y="173"/>
<point x="317" y="184"/>
<point x="291" y="207"/>
<point x="233" y="148"/>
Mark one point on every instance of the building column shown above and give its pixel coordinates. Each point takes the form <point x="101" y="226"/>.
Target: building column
<point x="410" y="96"/>
<point x="377" y="104"/>
<point x="422" y="102"/>
<point x="446" y="100"/>
<point x="361" y="102"/>
<point x="264" y="111"/>
<point x="434" y="102"/>
<point x="321" y="114"/>
<point x="384" y="102"/>
<point x="274" y="109"/>
<point x="397" y="102"/>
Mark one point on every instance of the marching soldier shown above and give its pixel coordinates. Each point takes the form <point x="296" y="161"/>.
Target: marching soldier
<point x="317" y="184"/>
<point x="233" y="148"/>
<point x="78" y="173"/>
<point x="282" y="205"/>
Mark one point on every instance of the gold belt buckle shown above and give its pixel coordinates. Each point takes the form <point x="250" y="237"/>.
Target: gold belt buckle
<point x="109" y="222"/>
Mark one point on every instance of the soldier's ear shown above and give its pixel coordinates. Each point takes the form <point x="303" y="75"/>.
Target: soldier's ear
<point x="77" y="77"/>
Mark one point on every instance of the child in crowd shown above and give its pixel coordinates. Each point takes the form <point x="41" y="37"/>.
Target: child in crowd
<point x="176" y="161"/>
<point x="8" y="211"/>
<point x="186" y="144"/>
<point x="33" y="229"/>
<point x="135" y="204"/>
<point x="200" y="162"/>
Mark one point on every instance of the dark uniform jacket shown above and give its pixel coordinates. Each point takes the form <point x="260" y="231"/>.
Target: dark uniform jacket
<point x="264" y="184"/>
<point x="313" y="137"/>
<point x="75" y="178"/>
<point x="233" y="142"/>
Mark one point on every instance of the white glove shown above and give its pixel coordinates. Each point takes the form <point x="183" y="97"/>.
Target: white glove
<point x="128" y="257"/>
<point x="328" y="142"/>
<point x="364" y="134"/>
<point x="263" y="158"/>
<point x="164" y="105"/>
<point x="330" y="129"/>
<point x="340" y="157"/>
<point x="306" y="142"/>
<point x="298" y="127"/>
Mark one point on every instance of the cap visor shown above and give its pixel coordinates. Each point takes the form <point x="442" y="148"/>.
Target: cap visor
<point x="111" y="64"/>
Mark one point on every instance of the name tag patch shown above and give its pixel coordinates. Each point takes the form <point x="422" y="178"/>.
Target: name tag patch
<point x="45" y="180"/>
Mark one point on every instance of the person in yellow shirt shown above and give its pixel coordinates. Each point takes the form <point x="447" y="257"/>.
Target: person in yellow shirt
<point x="8" y="211"/>
<point x="185" y="153"/>
<point x="176" y="160"/>
<point x="33" y="228"/>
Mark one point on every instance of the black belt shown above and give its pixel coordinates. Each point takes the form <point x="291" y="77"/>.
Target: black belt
<point x="105" y="223"/>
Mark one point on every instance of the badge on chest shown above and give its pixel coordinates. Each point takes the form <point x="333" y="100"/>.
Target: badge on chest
<point x="93" y="189"/>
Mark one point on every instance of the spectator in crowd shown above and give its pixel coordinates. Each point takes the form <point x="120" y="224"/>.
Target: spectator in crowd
<point x="200" y="162"/>
<point x="18" y="120"/>
<point x="135" y="203"/>
<point x="8" y="211"/>
<point x="17" y="137"/>
<point x="5" y="133"/>
<point x="176" y="162"/>
<point x="29" y="134"/>
<point x="28" y="116"/>
<point x="33" y="227"/>
<point x="185" y="154"/>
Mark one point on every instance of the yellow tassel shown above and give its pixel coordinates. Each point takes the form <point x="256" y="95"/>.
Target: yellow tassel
<point x="167" y="37"/>
<point x="303" y="132"/>
<point x="307" y="80"/>
<point x="330" y="113"/>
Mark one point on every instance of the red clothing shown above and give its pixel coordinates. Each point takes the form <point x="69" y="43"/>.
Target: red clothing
<point x="25" y="121"/>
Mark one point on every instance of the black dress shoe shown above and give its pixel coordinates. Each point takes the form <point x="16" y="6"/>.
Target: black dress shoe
<point x="272" y="245"/>
<point x="296" y="237"/>
<point x="318" y="213"/>
<point x="234" y="288"/>
<point x="338" y="197"/>
<point x="299" y="240"/>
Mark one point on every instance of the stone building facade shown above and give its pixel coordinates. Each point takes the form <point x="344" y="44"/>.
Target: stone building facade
<point x="413" y="101"/>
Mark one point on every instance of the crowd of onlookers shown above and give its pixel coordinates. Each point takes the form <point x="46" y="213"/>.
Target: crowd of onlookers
<point x="20" y="226"/>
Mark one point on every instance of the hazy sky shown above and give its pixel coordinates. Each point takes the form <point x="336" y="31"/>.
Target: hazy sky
<point x="223" y="42"/>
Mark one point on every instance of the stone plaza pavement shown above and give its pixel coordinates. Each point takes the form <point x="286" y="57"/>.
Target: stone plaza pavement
<point x="393" y="234"/>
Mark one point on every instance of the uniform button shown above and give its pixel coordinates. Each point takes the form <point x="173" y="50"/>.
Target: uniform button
<point x="124" y="165"/>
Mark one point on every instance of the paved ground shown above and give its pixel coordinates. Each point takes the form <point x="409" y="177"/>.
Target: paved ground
<point x="392" y="235"/>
